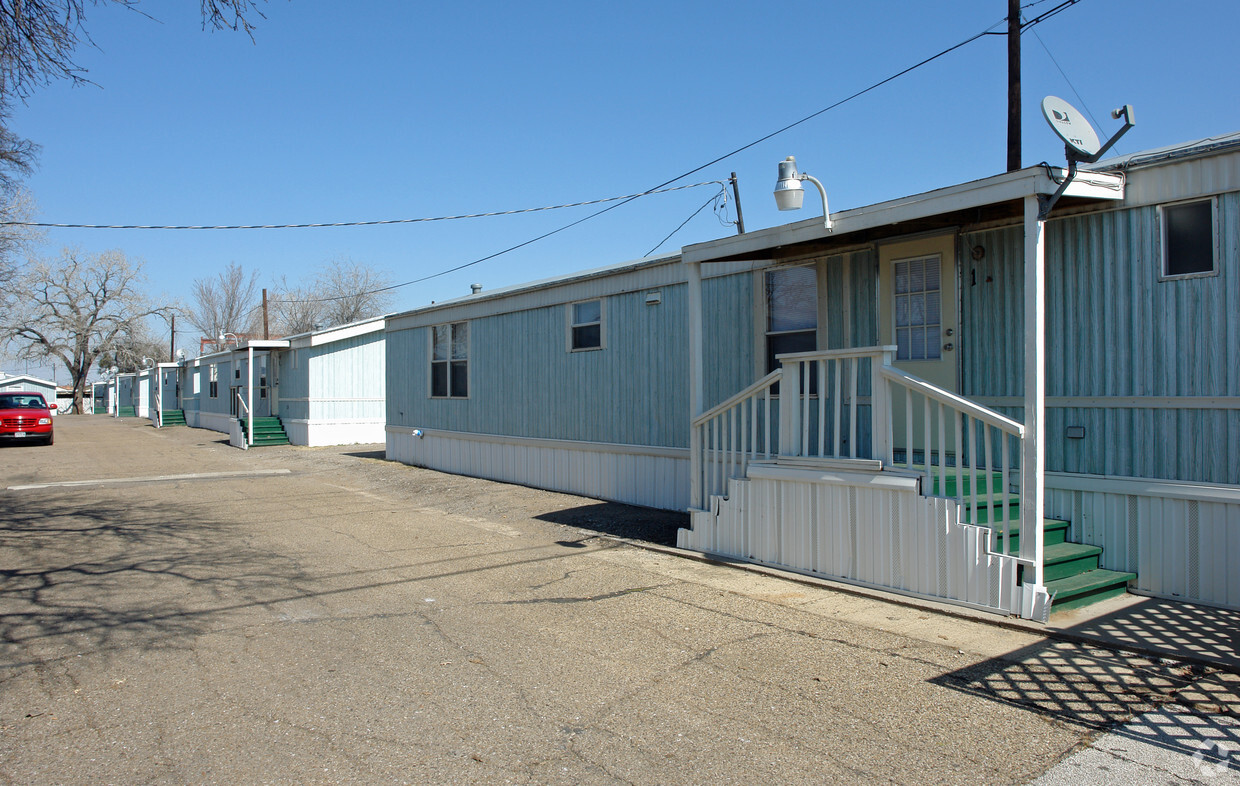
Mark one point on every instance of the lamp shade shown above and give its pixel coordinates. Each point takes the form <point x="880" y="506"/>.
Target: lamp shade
<point x="788" y="192"/>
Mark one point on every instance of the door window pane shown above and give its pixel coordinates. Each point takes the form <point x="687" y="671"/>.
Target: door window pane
<point x="918" y="309"/>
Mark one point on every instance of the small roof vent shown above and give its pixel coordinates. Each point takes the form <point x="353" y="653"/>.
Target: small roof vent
<point x="475" y="289"/>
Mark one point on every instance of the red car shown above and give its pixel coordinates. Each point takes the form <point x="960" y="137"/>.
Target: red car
<point x="24" y="417"/>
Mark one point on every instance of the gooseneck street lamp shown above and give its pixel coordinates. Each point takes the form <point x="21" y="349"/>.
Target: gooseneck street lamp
<point x="788" y="191"/>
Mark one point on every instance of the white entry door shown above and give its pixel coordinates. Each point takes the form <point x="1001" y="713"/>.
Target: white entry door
<point x="918" y="307"/>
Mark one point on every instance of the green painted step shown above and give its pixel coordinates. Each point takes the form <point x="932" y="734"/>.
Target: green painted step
<point x="267" y="431"/>
<point x="966" y="482"/>
<point x="172" y="417"/>
<point x="1089" y="587"/>
<point x="1054" y="532"/>
<point x="1064" y="560"/>
<point x="128" y="412"/>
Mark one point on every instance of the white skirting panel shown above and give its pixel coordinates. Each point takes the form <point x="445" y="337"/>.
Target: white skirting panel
<point x="333" y="432"/>
<point x="868" y="528"/>
<point x="649" y="476"/>
<point x="1182" y="540"/>
<point x="214" y="421"/>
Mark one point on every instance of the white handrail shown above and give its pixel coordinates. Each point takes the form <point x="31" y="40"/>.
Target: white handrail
<point x="729" y="435"/>
<point x="973" y="409"/>
<point x="732" y="401"/>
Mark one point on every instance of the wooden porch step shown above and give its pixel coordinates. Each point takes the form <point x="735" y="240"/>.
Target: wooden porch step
<point x="1089" y="587"/>
<point x="1062" y="560"/>
<point x="1054" y="532"/>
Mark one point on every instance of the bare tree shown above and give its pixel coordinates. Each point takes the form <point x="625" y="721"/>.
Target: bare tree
<point x="75" y="310"/>
<point x="38" y="39"/>
<point x="351" y="291"/>
<point x="227" y="303"/>
<point x="295" y="309"/>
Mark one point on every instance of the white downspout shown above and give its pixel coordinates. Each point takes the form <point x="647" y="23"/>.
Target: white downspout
<point x="1035" y="603"/>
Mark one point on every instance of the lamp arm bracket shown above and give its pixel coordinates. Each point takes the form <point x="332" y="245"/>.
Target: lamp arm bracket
<point x="826" y="213"/>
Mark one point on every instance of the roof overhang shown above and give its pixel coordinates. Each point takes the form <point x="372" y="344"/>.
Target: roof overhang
<point x="992" y="199"/>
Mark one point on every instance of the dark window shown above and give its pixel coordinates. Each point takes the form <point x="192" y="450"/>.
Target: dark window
<point x="450" y="360"/>
<point x="791" y="312"/>
<point x="1188" y="238"/>
<point x="587" y="325"/>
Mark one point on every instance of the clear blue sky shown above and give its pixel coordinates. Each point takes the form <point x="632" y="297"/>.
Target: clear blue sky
<point x="384" y="110"/>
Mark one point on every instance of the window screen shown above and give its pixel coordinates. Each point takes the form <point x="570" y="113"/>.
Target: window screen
<point x="918" y="309"/>
<point x="791" y="312"/>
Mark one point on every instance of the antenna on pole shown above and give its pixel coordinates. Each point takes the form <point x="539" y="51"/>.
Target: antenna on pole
<point x="1080" y="140"/>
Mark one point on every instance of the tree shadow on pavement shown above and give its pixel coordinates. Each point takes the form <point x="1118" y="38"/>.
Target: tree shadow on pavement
<point x="99" y="573"/>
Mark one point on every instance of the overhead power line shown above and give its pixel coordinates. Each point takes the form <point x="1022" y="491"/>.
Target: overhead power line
<point x="357" y="223"/>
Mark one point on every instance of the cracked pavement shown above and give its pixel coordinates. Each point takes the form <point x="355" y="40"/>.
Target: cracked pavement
<point x="358" y="621"/>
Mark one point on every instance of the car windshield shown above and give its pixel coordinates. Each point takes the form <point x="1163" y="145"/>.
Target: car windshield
<point x="21" y="401"/>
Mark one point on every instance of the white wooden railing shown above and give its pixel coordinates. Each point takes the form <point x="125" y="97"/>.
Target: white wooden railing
<point x="726" y="437"/>
<point x="967" y="452"/>
<point x="825" y="409"/>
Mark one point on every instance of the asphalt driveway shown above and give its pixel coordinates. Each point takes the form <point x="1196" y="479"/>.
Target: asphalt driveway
<point x="173" y="610"/>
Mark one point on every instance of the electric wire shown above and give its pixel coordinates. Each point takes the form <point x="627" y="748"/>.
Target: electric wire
<point x="713" y="200"/>
<point x="1071" y="86"/>
<point x="381" y="222"/>
<point x="710" y="163"/>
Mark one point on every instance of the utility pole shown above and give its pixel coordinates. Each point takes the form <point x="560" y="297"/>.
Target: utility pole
<point x="1013" y="108"/>
<point x="740" y="217"/>
<point x="266" y="334"/>
<point x="172" y="340"/>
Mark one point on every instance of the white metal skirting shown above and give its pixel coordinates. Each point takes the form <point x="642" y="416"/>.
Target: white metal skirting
<point x="636" y="475"/>
<point x="315" y="433"/>
<point x="869" y="529"/>
<point x="1181" y="542"/>
<point x="213" y="421"/>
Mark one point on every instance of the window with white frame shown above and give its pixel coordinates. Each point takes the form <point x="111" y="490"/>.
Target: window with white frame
<point x="196" y="381"/>
<point x="791" y="312"/>
<point x="918" y="309"/>
<point x="450" y="360"/>
<point x="585" y="325"/>
<point x="1188" y="238"/>
<point x="214" y="381"/>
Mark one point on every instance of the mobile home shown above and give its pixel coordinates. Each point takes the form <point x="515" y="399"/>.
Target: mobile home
<point x="951" y="395"/>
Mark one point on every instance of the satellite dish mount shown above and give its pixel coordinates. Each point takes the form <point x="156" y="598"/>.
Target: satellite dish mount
<point x="1079" y="139"/>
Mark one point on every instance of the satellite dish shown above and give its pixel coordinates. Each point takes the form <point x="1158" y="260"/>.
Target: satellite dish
<point x="180" y="354"/>
<point x="1071" y="126"/>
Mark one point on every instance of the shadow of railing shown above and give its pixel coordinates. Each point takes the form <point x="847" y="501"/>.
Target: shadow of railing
<point x="1094" y="687"/>
<point x="1177" y="629"/>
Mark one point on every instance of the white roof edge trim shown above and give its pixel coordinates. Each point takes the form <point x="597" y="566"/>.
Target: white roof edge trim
<point x="977" y="193"/>
<point x="546" y="283"/>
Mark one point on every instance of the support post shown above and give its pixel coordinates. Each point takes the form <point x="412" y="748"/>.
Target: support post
<point x="1032" y="470"/>
<point x="880" y="404"/>
<point x="790" y="409"/>
<point x="696" y="381"/>
<point x="249" y="394"/>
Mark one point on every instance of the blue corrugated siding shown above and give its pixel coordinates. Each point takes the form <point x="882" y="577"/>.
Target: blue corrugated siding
<point x="347" y="378"/>
<point x="294" y="384"/>
<point x="524" y="382"/>
<point x="1114" y="329"/>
